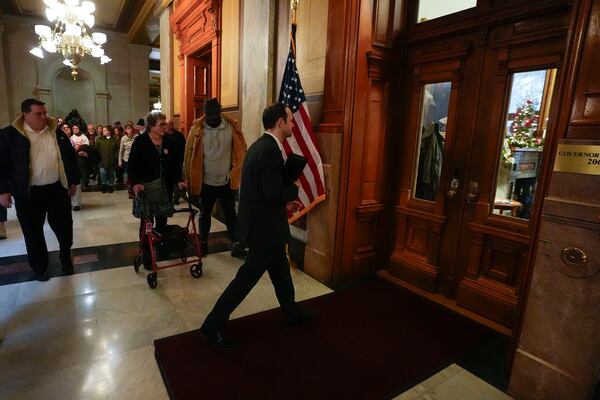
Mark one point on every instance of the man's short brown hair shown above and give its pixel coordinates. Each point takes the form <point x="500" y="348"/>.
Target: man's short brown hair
<point x="26" y="104"/>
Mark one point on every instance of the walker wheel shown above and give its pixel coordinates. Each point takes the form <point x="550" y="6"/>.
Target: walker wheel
<point x="152" y="282"/>
<point x="196" y="270"/>
<point x="137" y="261"/>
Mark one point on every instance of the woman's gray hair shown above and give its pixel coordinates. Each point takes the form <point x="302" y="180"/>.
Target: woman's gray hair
<point x="152" y="117"/>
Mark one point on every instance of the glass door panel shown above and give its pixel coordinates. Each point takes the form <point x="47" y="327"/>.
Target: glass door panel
<point x="523" y="142"/>
<point x="432" y="133"/>
<point x="431" y="9"/>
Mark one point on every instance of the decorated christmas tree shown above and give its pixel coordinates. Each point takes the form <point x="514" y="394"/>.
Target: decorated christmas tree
<point x="524" y="127"/>
<point x="522" y="131"/>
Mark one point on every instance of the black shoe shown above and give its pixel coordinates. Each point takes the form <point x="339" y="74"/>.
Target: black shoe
<point x="76" y="208"/>
<point x="238" y="251"/>
<point x="67" y="264"/>
<point x="217" y="339"/>
<point x="300" y="318"/>
<point x="110" y="189"/>
<point x="204" y="248"/>
<point x="104" y="188"/>
<point x="42" y="276"/>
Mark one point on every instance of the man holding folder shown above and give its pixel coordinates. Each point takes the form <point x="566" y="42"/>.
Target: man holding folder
<point x="262" y="223"/>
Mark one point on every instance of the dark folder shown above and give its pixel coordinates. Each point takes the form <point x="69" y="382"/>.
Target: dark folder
<point x="293" y="167"/>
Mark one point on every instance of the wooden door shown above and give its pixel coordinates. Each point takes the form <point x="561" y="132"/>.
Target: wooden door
<point x="198" y="86"/>
<point x="462" y="231"/>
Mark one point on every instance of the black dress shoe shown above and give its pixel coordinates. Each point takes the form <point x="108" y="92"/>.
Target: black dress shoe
<point x="217" y="339"/>
<point x="66" y="265"/>
<point x="42" y="276"/>
<point x="300" y="318"/>
<point x="238" y="251"/>
<point x="76" y="208"/>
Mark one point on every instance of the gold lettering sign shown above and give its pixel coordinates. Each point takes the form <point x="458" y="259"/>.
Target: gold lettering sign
<point x="578" y="159"/>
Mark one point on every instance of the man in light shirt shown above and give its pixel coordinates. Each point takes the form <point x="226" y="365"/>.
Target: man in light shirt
<point x="39" y="170"/>
<point x="214" y="154"/>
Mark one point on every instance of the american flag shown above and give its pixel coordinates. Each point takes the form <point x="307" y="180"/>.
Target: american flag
<point x="302" y="142"/>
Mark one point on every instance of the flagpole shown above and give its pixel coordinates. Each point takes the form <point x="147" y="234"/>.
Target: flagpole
<point x="294" y="8"/>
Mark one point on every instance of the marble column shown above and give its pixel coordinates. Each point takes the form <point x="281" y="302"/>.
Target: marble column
<point x="5" y="118"/>
<point x="257" y="64"/>
<point x="166" y="63"/>
<point x="139" y="67"/>
<point x="559" y="349"/>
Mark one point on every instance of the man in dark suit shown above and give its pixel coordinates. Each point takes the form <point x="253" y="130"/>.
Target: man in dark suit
<point x="262" y="223"/>
<point x="38" y="168"/>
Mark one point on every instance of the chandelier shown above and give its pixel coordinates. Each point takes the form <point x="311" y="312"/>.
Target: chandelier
<point x="70" y="35"/>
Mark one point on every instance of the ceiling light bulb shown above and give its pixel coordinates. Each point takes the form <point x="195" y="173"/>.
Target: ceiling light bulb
<point x="72" y="30"/>
<point x="72" y="3"/>
<point x="105" y="59"/>
<point x="99" y="37"/>
<point x="49" y="46"/>
<point x="50" y="3"/>
<point x="89" y="20"/>
<point x="68" y="63"/>
<point x="51" y="14"/>
<point x="97" y="51"/>
<point x="43" y="30"/>
<point x="88" y="7"/>
<point x="37" y="51"/>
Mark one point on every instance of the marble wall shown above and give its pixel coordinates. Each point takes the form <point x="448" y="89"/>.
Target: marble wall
<point x="120" y="88"/>
<point x="257" y="56"/>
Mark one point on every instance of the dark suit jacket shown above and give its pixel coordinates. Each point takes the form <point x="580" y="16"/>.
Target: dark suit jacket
<point x="144" y="161"/>
<point x="15" y="162"/>
<point x="262" y="217"/>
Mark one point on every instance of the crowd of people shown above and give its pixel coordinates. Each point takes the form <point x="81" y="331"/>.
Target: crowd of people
<point x="46" y="163"/>
<point x="103" y="154"/>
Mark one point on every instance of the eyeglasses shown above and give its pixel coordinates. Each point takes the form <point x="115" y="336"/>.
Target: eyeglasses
<point x="163" y="124"/>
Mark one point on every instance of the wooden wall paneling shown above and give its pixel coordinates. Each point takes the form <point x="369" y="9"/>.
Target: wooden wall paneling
<point x="512" y="50"/>
<point x="196" y="26"/>
<point x="416" y="259"/>
<point x="585" y="114"/>
<point x="356" y="139"/>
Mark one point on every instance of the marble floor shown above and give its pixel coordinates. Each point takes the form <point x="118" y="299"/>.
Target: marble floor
<point x="103" y="219"/>
<point x="90" y="335"/>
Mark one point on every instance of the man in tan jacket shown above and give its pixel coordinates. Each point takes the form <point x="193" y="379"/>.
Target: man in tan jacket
<point x="214" y="154"/>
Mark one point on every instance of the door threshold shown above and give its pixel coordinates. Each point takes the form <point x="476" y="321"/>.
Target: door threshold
<point x="446" y="302"/>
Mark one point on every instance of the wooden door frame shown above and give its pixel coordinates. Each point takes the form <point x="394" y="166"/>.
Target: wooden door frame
<point x="197" y="26"/>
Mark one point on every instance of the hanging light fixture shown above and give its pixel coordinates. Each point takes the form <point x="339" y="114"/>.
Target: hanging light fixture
<point x="70" y="36"/>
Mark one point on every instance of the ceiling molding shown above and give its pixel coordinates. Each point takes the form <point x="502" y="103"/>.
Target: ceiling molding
<point x="9" y="7"/>
<point x="130" y="14"/>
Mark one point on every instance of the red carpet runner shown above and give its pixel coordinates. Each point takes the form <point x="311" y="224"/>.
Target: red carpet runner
<point x="368" y="342"/>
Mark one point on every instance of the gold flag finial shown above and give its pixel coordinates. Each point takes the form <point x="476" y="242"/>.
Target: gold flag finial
<point x="294" y="8"/>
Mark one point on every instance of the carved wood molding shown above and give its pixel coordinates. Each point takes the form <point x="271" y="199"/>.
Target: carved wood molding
<point x="367" y="212"/>
<point x="379" y="65"/>
<point x="500" y="233"/>
<point x="195" y="25"/>
<point x="433" y="218"/>
<point x="422" y="56"/>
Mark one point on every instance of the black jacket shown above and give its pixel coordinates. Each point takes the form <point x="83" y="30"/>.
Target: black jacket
<point x="144" y="161"/>
<point x="15" y="162"/>
<point x="262" y="216"/>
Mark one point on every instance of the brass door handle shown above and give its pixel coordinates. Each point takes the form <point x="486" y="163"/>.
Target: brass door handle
<point x="473" y="193"/>
<point x="453" y="188"/>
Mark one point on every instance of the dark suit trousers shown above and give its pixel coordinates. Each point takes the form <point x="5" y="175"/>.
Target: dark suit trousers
<point x="259" y="260"/>
<point x="208" y="197"/>
<point x="52" y="201"/>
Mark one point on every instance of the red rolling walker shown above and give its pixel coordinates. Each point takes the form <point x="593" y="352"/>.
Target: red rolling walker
<point x="156" y="239"/>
